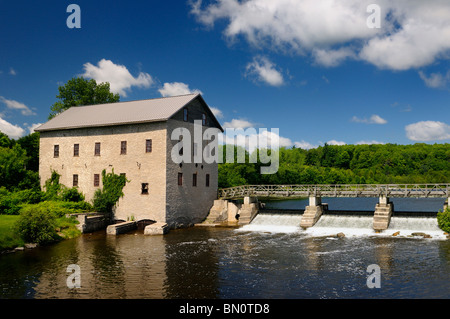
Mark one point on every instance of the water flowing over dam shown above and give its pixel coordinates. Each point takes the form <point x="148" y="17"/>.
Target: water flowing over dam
<point x="350" y="225"/>
<point x="349" y="222"/>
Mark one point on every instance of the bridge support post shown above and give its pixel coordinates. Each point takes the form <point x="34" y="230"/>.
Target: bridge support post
<point x="383" y="214"/>
<point x="446" y="204"/>
<point x="312" y="212"/>
<point x="248" y="211"/>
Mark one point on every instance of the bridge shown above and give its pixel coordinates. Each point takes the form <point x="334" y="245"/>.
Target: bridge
<point x="351" y="190"/>
<point x="225" y="210"/>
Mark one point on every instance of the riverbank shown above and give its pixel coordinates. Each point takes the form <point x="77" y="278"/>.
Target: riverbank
<point x="12" y="241"/>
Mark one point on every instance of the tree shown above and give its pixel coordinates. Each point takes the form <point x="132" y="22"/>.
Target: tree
<point x="80" y="91"/>
<point x="30" y="143"/>
<point x="5" y="141"/>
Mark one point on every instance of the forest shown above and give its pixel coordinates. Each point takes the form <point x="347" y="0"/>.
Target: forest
<point x="347" y="164"/>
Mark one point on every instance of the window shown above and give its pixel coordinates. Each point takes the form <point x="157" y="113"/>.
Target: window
<point x="204" y="119"/>
<point x="97" y="149"/>
<point x="56" y="151"/>
<point x="96" y="180"/>
<point x="148" y="146"/>
<point x="123" y="147"/>
<point x="76" y="149"/>
<point x="75" y="180"/>
<point x="207" y="180"/>
<point x="185" y="114"/>
<point x="194" y="179"/>
<point x="144" y="188"/>
<point x="180" y="179"/>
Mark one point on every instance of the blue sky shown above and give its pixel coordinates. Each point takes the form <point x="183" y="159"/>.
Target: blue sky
<point x="313" y="69"/>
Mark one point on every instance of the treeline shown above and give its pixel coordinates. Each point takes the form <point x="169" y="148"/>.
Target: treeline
<point x="347" y="164"/>
<point x="19" y="162"/>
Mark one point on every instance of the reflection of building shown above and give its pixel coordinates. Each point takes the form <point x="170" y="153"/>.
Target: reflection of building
<point x="134" y="138"/>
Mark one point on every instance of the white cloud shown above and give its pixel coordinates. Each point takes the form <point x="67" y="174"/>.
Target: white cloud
<point x="13" y="131"/>
<point x="435" y="80"/>
<point x="374" y="119"/>
<point x="252" y="138"/>
<point x="236" y="123"/>
<point x="334" y="142"/>
<point x="118" y="76"/>
<point x="413" y="33"/>
<point x="32" y="127"/>
<point x="176" y="88"/>
<point x="12" y="71"/>
<point x="368" y="142"/>
<point x="425" y="131"/>
<point x="14" y="105"/>
<point x="304" y="145"/>
<point x="331" y="58"/>
<point x="217" y="113"/>
<point x="264" y="71"/>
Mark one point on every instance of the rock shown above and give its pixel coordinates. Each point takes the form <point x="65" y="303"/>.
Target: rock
<point x="421" y="234"/>
<point x="396" y="233"/>
<point x="19" y="248"/>
<point x="340" y="235"/>
<point x="31" y="245"/>
<point x="418" y="234"/>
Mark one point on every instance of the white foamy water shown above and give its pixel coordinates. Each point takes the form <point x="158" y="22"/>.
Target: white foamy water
<point x="357" y="225"/>
<point x="274" y="223"/>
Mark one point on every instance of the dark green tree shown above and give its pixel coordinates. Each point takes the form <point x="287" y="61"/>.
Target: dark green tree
<point x="79" y="91"/>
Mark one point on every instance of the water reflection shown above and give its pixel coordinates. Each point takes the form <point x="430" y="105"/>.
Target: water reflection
<point x="225" y="263"/>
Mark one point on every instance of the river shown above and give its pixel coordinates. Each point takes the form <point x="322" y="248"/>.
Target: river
<point x="271" y="258"/>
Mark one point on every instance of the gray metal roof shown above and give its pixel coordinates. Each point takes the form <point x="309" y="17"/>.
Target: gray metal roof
<point x="141" y="111"/>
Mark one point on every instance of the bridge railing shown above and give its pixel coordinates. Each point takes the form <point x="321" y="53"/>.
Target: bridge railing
<point x="338" y="190"/>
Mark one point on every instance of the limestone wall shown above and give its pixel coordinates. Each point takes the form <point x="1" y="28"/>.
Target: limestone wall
<point x="139" y="166"/>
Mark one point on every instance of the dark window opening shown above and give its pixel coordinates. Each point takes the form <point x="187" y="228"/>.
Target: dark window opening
<point x="194" y="179"/>
<point x="204" y="119"/>
<point x="180" y="179"/>
<point x="56" y="151"/>
<point x="76" y="149"/>
<point x="97" y="149"/>
<point x="207" y="180"/>
<point x="144" y="188"/>
<point x="96" y="180"/>
<point x="123" y="148"/>
<point x="185" y="114"/>
<point x="75" y="180"/>
<point x="148" y="146"/>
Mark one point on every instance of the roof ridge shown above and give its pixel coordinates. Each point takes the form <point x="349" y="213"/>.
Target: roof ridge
<point x="151" y="99"/>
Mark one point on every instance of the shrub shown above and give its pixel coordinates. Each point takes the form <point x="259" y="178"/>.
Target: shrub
<point x="444" y="220"/>
<point x="71" y="195"/>
<point x="11" y="202"/>
<point x="46" y="222"/>
<point x="106" y="198"/>
<point x="37" y="225"/>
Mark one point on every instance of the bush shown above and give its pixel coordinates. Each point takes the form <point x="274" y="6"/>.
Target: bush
<point x="12" y="202"/>
<point x="46" y="222"/>
<point x="105" y="199"/>
<point x="444" y="220"/>
<point x="71" y="195"/>
<point x="37" y="225"/>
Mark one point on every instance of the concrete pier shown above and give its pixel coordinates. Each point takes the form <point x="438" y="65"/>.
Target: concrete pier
<point x="383" y="214"/>
<point x="225" y="212"/>
<point x="121" y="228"/>
<point x="156" y="229"/>
<point x="312" y="212"/>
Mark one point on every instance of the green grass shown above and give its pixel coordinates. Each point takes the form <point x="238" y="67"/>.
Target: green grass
<point x="8" y="238"/>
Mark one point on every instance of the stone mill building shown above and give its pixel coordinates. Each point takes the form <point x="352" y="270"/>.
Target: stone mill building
<point x="135" y="138"/>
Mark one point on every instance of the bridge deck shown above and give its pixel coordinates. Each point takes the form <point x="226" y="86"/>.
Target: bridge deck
<point x="344" y="190"/>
